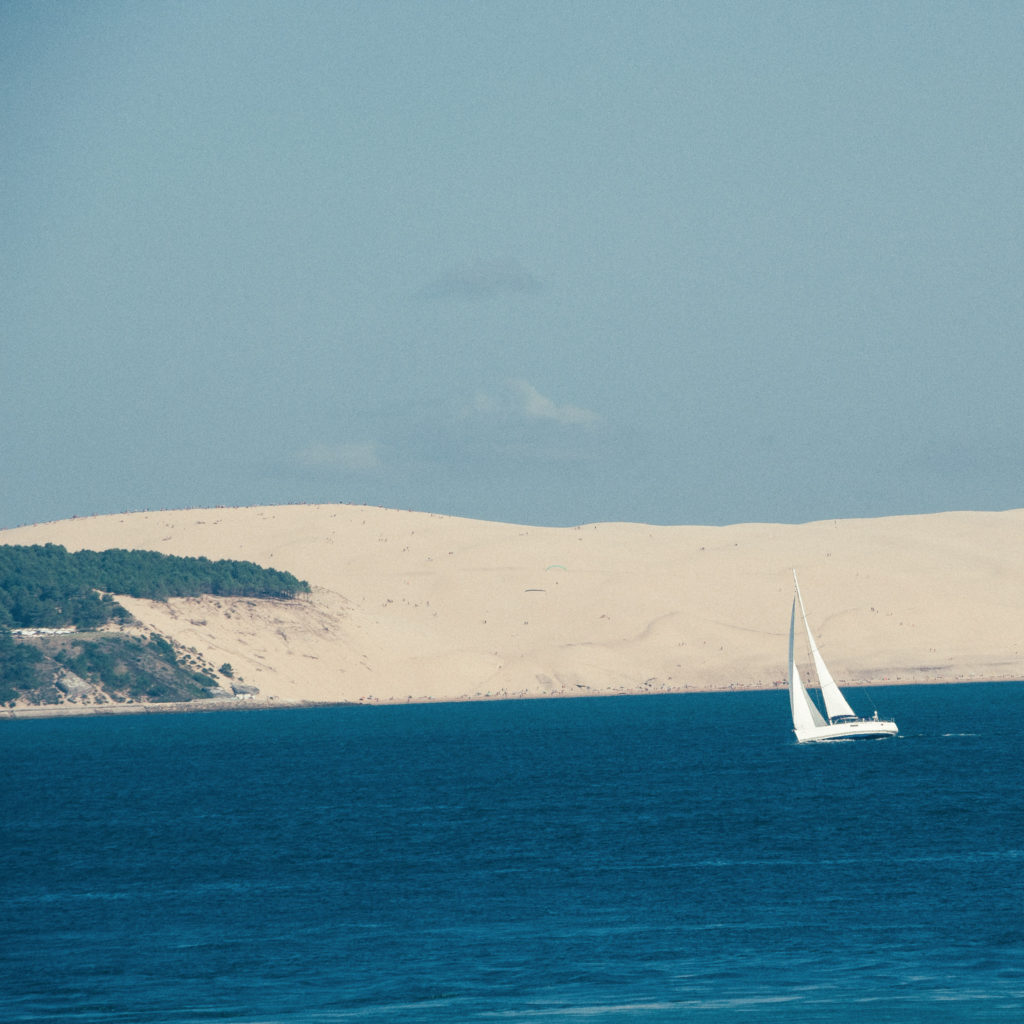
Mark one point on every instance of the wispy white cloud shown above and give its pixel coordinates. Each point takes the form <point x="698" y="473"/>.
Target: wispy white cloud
<point x="534" y="405"/>
<point x="481" y="280"/>
<point x="519" y="399"/>
<point x="353" y="457"/>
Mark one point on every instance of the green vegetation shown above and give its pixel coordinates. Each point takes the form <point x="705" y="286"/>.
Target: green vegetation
<point x="21" y="667"/>
<point x="135" y="667"/>
<point x="47" y="587"/>
<point x="99" y="668"/>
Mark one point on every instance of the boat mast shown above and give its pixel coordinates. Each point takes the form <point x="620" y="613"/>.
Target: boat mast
<point x="835" y="703"/>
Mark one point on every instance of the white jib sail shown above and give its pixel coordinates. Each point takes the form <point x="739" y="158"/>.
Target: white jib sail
<point x="805" y="713"/>
<point x="835" y="702"/>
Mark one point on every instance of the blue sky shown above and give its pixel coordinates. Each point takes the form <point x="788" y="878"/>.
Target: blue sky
<point x="545" y="263"/>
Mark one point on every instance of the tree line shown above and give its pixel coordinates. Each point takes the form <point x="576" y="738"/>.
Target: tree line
<point x="45" y="585"/>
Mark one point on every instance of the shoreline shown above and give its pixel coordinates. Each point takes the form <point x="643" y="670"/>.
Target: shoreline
<point x="214" y="705"/>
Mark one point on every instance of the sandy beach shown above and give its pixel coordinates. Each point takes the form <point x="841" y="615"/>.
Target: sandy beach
<point x="410" y="606"/>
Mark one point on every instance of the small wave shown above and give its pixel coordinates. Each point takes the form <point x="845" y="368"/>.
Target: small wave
<point x="563" y="1011"/>
<point x="43" y="898"/>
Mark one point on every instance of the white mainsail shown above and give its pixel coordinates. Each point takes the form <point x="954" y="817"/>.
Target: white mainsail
<point x="805" y="713"/>
<point x="835" y="703"/>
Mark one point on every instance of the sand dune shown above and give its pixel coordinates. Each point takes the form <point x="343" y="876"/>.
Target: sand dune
<point x="413" y="606"/>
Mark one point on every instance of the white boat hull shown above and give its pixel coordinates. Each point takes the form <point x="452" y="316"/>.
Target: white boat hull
<point x="858" y="729"/>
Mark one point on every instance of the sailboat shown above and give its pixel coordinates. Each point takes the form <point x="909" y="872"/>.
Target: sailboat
<point x="839" y="721"/>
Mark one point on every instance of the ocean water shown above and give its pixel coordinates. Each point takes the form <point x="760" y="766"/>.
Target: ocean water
<point x="650" y="859"/>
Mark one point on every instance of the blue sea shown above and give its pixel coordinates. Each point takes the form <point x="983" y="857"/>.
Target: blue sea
<point x="636" y="859"/>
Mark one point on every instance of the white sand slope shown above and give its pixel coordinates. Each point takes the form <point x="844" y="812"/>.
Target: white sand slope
<point x="412" y="606"/>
